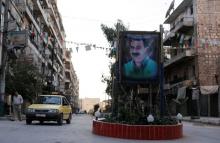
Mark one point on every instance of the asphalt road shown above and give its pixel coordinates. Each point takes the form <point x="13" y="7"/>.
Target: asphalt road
<point x="80" y="131"/>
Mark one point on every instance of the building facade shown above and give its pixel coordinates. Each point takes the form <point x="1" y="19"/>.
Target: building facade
<point x="87" y="104"/>
<point x="192" y="63"/>
<point x="36" y="25"/>
<point x="71" y="81"/>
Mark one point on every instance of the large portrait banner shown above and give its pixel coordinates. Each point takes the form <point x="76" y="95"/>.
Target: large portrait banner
<point x="139" y="56"/>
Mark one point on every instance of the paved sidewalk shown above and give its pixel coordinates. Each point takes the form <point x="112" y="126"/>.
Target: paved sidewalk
<point x="204" y="120"/>
<point x="10" y="117"/>
<point x="6" y="117"/>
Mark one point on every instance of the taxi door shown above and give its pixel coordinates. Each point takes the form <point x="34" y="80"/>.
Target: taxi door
<point x="66" y="108"/>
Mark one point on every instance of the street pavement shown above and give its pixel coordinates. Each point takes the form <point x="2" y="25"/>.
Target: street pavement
<point x="80" y="131"/>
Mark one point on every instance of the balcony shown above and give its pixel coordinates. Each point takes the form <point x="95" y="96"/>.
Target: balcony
<point x="180" y="82"/>
<point x="45" y="3"/>
<point x="29" y="12"/>
<point x="67" y="67"/>
<point x="55" y="34"/>
<point x="42" y="11"/>
<point x="184" y="24"/>
<point x="169" y="36"/>
<point x="61" y="76"/>
<point x="187" y="53"/>
<point x="36" y="51"/>
<point x="67" y="80"/>
<point x="67" y="70"/>
<point x="68" y="92"/>
<point x="21" y="4"/>
<point x="59" y="59"/>
<point x="56" y="53"/>
<point x="61" y="88"/>
<point x="67" y="60"/>
<point x="49" y="61"/>
<point x="67" y="55"/>
<point x="178" y="11"/>
<point x="55" y="67"/>
<point x="55" y="16"/>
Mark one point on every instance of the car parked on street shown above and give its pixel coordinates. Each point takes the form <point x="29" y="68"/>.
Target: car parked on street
<point x="49" y="108"/>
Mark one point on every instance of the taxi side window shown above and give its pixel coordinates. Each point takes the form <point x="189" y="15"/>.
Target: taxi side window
<point x="65" y="101"/>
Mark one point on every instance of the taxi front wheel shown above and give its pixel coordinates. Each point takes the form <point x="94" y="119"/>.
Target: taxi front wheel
<point x="68" y="121"/>
<point x="60" y="120"/>
<point x="28" y="121"/>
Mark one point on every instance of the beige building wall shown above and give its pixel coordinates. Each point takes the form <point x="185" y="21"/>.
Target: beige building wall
<point x="88" y="103"/>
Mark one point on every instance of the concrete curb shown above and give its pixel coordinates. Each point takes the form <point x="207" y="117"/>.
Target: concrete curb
<point x="5" y="118"/>
<point x="211" y="121"/>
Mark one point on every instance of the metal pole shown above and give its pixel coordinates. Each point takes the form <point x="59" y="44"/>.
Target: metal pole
<point x="209" y="106"/>
<point x="4" y="56"/>
<point x="1" y="105"/>
<point x="113" y="96"/>
<point x="162" y="98"/>
<point x="150" y="90"/>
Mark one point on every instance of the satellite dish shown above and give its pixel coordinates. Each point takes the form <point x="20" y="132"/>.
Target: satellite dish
<point x="170" y="8"/>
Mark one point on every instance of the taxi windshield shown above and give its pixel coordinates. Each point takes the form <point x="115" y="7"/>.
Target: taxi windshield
<point x="48" y="100"/>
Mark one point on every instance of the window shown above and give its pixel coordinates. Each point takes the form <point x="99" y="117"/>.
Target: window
<point x="49" y="100"/>
<point x="191" y="9"/>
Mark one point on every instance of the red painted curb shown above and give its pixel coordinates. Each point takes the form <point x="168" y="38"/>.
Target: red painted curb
<point x="139" y="132"/>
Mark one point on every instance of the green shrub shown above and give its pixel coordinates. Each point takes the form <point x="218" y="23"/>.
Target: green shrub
<point x="134" y="120"/>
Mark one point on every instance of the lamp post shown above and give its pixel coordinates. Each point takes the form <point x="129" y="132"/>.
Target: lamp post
<point x="150" y="118"/>
<point x="162" y="98"/>
<point x="4" y="56"/>
<point x="179" y="117"/>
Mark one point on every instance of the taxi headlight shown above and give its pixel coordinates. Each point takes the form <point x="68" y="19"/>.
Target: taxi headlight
<point x="30" y="110"/>
<point x="53" y="111"/>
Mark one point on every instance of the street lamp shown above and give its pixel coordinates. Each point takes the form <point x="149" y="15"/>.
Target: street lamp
<point x="179" y="117"/>
<point x="150" y="118"/>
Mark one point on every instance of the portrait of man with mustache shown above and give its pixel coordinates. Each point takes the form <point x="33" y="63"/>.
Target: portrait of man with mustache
<point x="140" y="66"/>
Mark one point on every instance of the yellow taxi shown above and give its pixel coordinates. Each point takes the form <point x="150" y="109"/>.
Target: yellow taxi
<point x="49" y="108"/>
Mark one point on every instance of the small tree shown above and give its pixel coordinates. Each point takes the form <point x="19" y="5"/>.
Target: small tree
<point x="112" y="34"/>
<point x="25" y="78"/>
<point x="113" y="88"/>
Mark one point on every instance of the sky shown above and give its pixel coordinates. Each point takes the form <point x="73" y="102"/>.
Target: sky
<point x="82" y="20"/>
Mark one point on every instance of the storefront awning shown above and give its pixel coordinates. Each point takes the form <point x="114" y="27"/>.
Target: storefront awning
<point x="208" y="90"/>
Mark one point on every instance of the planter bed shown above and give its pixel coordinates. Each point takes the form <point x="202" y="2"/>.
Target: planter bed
<point x="140" y="132"/>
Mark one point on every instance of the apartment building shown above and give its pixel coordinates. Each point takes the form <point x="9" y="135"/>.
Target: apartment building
<point x="71" y="81"/>
<point x="41" y="25"/>
<point x="37" y="26"/>
<point x="192" y="58"/>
